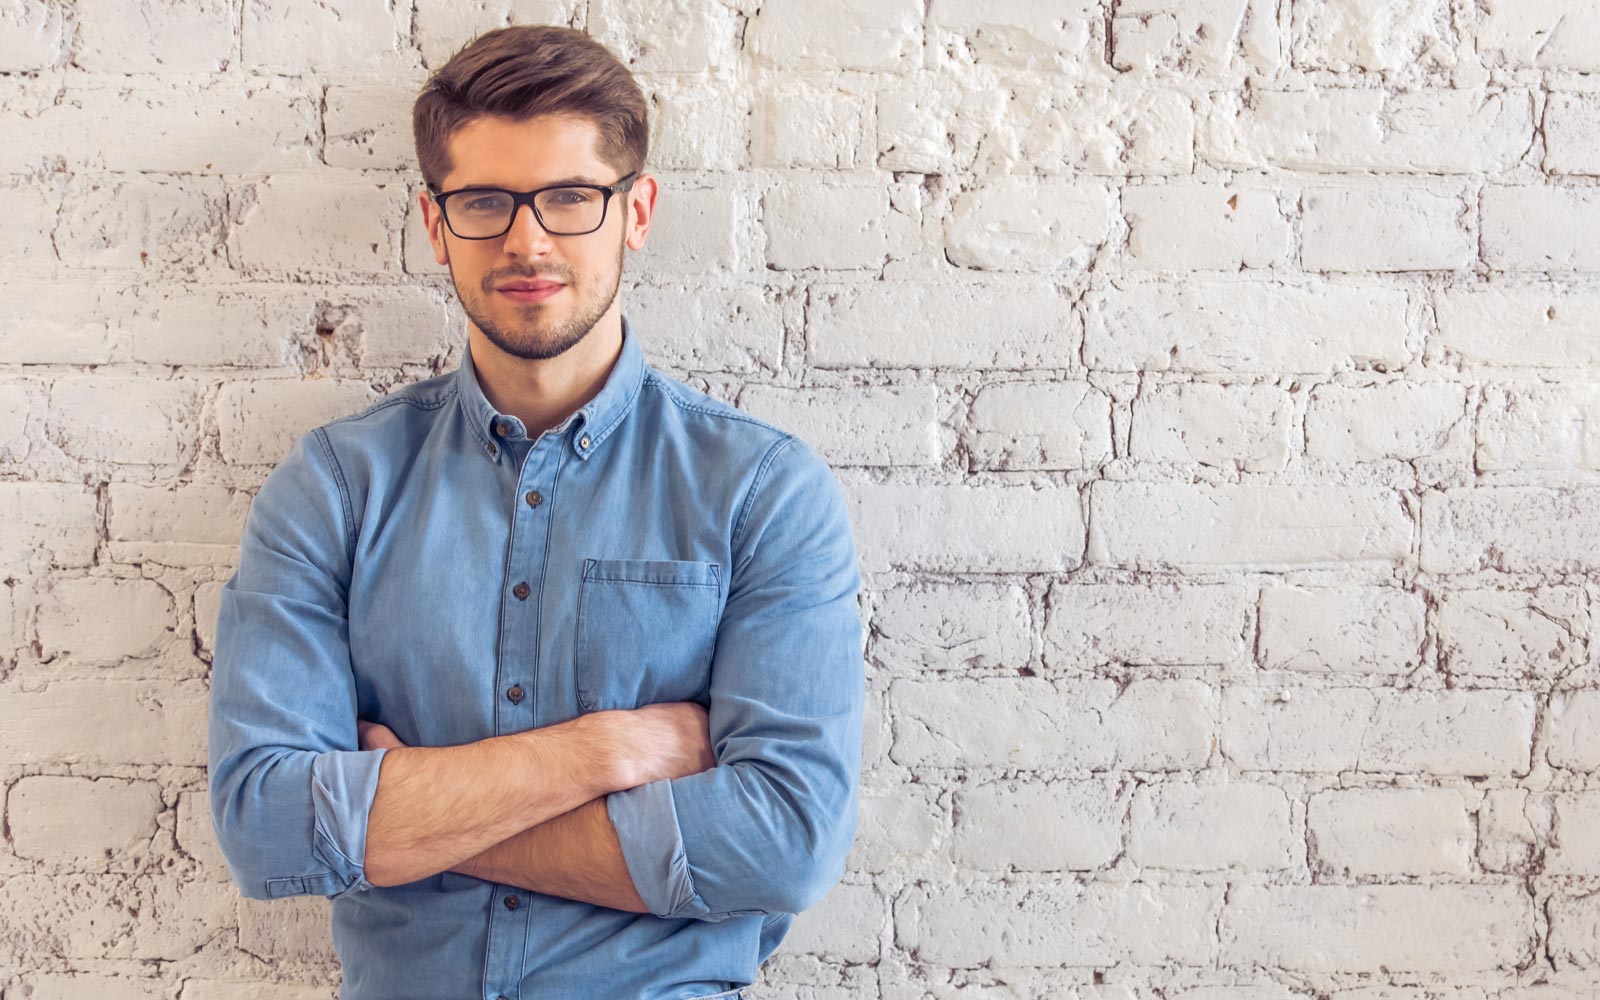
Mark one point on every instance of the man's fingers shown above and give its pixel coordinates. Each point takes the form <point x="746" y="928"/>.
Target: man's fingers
<point x="376" y="735"/>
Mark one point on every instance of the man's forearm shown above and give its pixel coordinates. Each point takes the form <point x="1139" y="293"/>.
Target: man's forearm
<point x="438" y="806"/>
<point x="575" y="856"/>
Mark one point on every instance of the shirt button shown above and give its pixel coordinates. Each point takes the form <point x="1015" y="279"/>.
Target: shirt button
<point x="512" y="902"/>
<point x="514" y="692"/>
<point x="521" y="590"/>
<point x="502" y="428"/>
<point x="584" y="441"/>
<point x="533" y="498"/>
<point x="489" y="449"/>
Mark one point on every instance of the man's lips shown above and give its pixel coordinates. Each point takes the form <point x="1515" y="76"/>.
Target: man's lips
<point x="531" y="291"/>
<point x="529" y="286"/>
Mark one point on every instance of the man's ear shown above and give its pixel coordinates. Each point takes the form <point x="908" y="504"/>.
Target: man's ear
<point x="641" y="209"/>
<point x="432" y="219"/>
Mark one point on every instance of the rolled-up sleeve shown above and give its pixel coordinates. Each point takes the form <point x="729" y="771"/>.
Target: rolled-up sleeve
<point x="289" y="790"/>
<point x="768" y="829"/>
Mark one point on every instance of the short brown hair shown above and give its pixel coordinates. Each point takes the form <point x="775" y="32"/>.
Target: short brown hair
<point x="527" y="70"/>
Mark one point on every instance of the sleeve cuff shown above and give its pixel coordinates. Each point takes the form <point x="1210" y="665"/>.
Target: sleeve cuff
<point x="646" y="819"/>
<point x="343" y="785"/>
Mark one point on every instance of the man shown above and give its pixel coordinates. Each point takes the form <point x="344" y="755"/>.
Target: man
<point x="599" y="629"/>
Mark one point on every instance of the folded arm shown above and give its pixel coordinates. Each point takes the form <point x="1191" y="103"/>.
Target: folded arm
<point x="438" y="806"/>
<point x="575" y="855"/>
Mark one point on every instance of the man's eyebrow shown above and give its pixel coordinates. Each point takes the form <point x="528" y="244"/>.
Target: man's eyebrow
<point x="563" y="180"/>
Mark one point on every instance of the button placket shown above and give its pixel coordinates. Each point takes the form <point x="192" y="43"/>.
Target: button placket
<point x="516" y="676"/>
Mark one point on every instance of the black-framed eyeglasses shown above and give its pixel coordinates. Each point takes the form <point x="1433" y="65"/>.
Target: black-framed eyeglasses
<point x="486" y="213"/>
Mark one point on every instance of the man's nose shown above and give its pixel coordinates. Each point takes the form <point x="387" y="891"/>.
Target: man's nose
<point x="526" y="238"/>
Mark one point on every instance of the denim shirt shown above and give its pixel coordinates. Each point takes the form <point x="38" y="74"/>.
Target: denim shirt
<point x="425" y="565"/>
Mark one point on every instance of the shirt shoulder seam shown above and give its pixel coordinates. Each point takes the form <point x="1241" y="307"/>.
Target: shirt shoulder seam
<point x="667" y="390"/>
<point x="395" y="399"/>
<point x="344" y="494"/>
<point x="755" y="487"/>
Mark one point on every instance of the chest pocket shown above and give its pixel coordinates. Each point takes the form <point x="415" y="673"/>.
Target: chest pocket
<point x="645" y="632"/>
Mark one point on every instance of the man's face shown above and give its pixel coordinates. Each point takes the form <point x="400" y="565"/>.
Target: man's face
<point x="521" y="156"/>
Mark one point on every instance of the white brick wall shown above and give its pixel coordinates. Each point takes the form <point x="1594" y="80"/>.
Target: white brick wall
<point x="1211" y="382"/>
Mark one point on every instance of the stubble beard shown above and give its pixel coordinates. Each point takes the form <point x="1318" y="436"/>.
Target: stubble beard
<point x="528" y="339"/>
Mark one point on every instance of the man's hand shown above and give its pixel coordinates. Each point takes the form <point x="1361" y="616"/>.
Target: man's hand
<point x="667" y="740"/>
<point x="376" y="735"/>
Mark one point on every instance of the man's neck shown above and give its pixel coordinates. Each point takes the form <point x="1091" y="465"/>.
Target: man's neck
<point x="542" y="393"/>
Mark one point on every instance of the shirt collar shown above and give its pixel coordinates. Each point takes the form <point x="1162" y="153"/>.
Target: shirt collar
<point x="599" y="415"/>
